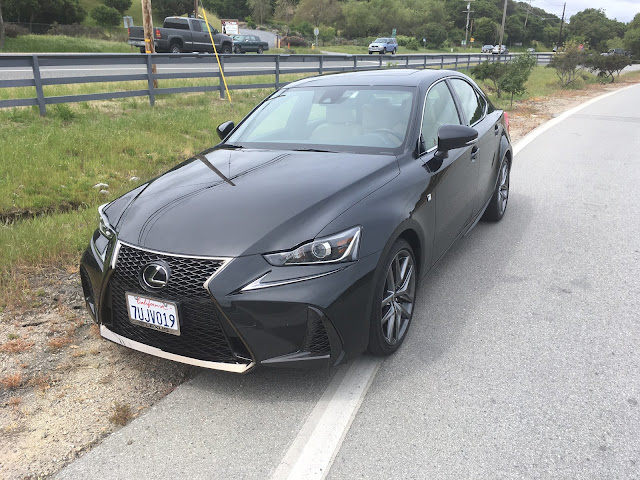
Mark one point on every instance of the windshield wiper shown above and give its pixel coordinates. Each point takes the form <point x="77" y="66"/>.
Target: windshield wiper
<point x="313" y="150"/>
<point x="228" y="146"/>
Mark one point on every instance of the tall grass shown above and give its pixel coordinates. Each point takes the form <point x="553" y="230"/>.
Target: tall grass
<point x="63" y="44"/>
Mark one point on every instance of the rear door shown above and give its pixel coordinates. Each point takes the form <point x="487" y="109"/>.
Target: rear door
<point x="455" y="176"/>
<point x="474" y="107"/>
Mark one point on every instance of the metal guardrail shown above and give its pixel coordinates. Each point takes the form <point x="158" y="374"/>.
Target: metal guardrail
<point x="251" y="65"/>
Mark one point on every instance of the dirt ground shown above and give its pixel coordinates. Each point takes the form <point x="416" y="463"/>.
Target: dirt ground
<point x="63" y="388"/>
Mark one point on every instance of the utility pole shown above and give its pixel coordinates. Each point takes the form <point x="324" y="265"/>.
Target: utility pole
<point x="504" y="17"/>
<point x="147" y="23"/>
<point x="527" y="17"/>
<point x="195" y="8"/>
<point x="561" y="23"/>
<point x="466" y="28"/>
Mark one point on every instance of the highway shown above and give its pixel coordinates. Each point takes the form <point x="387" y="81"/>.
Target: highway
<point x="522" y="360"/>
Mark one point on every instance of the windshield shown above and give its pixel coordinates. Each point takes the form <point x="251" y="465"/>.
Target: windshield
<point x="380" y="40"/>
<point x="342" y="118"/>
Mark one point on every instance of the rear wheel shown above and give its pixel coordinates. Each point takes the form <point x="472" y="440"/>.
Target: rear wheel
<point x="393" y="300"/>
<point x="260" y="49"/>
<point x="175" y="48"/>
<point x="498" y="203"/>
<point x="142" y="50"/>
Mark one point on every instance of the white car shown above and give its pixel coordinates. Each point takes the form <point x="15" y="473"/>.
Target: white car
<point x="486" y="49"/>
<point x="498" y="50"/>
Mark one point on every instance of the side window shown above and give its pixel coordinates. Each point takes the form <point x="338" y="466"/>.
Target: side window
<point x="196" y="26"/>
<point x="439" y="109"/>
<point x="471" y="105"/>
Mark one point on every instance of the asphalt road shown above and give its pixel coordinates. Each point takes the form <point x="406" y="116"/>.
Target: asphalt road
<point x="522" y="360"/>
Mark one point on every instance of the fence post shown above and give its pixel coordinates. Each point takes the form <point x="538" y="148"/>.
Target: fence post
<point x="355" y="63"/>
<point x="441" y="62"/>
<point x="468" y="62"/>
<point x="407" y="64"/>
<point x="320" y="67"/>
<point x="222" y="94"/>
<point x="425" y="61"/>
<point x="38" y="81"/>
<point x="456" y="67"/>
<point x="152" y="96"/>
<point x="380" y="60"/>
<point x="277" y="72"/>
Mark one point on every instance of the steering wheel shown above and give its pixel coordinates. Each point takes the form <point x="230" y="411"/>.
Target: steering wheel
<point x="389" y="132"/>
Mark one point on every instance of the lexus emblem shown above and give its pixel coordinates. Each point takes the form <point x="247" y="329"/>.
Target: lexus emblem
<point x="155" y="276"/>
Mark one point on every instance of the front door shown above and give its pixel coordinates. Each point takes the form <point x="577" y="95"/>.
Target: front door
<point x="455" y="178"/>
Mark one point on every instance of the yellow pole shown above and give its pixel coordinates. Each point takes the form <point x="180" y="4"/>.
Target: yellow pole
<point x="216" y="52"/>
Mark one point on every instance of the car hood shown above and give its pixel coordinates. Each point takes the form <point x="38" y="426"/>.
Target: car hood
<point x="274" y="200"/>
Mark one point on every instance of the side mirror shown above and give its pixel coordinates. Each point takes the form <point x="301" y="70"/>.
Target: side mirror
<point x="225" y="128"/>
<point x="451" y="137"/>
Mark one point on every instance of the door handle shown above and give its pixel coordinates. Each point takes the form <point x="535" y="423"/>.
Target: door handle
<point x="496" y="129"/>
<point x="474" y="153"/>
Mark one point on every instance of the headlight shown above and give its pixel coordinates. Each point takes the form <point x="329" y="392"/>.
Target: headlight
<point x="104" y="226"/>
<point x="342" y="247"/>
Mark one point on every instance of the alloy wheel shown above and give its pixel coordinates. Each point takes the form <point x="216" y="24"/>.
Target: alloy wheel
<point x="398" y="297"/>
<point x="503" y="187"/>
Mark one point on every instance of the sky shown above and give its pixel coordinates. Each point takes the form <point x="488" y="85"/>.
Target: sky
<point x="622" y="10"/>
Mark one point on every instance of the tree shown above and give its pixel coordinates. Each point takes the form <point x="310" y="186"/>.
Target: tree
<point x="632" y="41"/>
<point x="569" y="63"/>
<point x="224" y="8"/>
<point x="492" y="71"/>
<point x="434" y="33"/>
<point x="317" y="11"/>
<point x="120" y="5"/>
<point x="168" y="8"/>
<point x="485" y="30"/>
<point x="607" y="65"/>
<point x="594" y="26"/>
<point x="64" y="12"/>
<point x="516" y="74"/>
<point x="106" y="16"/>
<point x="285" y="10"/>
<point x="260" y="9"/>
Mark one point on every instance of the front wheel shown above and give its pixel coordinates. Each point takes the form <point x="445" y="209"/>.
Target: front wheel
<point x="393" y="52"/>
<point x="393" y="300"/>
<point x="498" y="203"/>
<point x="226" y="48"/>
<point x="260" y="50"/>
<point x="383" y="51"/>
<point x="237" y="49"/>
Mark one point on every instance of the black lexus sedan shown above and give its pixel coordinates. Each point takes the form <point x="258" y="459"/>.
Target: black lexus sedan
<point x="300" y="239"/>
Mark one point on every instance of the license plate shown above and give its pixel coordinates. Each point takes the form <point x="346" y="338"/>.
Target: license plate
<point x="153" y="313"/>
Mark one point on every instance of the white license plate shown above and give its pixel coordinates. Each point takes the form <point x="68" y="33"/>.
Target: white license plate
<point x="153" y="313"/>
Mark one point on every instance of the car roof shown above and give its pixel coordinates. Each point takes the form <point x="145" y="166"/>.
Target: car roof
<point x="396" y="77"/>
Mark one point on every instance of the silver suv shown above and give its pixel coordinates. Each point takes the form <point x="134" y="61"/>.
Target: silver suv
<point x="383" y="45"/>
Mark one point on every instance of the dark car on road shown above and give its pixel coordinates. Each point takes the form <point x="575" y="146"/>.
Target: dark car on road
<point x="182" y="34"/>
<point x="300" y="239"/>
<point x="249" y="43"/>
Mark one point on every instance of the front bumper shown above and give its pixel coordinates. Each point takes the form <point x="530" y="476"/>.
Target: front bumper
<point x="283" y="321"/>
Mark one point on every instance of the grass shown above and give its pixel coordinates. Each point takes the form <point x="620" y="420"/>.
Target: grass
<point x="16" y="346"/>
<point x="122" y="414"/>
<point x="63" y="44"/>
<point x="12" y="381"/>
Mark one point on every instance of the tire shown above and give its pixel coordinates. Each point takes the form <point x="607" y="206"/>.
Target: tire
<point x="143" y="50"/>
<point x="383" y="51"/>
<point x="237" y="49"/>
<point x="260" y="50"/>
<point x="370" y="53"/>
<point x="175" y="48"/>
<point x="498" y="203"/>
<point x="226" y="48"/>
<point x="393" y="52"/>
<point x="393" y="300"/>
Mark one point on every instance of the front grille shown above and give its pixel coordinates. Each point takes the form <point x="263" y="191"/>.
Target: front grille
<point x="201" y="335"/>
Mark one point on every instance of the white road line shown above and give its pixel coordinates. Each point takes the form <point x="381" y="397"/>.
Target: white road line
<point x="312" y="452"/>
<point x="532" y="135"/>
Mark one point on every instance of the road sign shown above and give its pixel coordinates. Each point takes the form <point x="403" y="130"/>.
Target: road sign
<point x="472" y="40"/>
<point x="316" y="31"/>
<point x="393" y="33"/>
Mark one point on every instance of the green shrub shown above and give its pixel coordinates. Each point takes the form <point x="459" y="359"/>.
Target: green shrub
<point x="607" y="65"/>
<point x="294" y="41"/>
<point x="12" y="31"/>
<point x="413" y="44"/>
<point x="120" y="5"/>
<point x="106" y="16"/>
